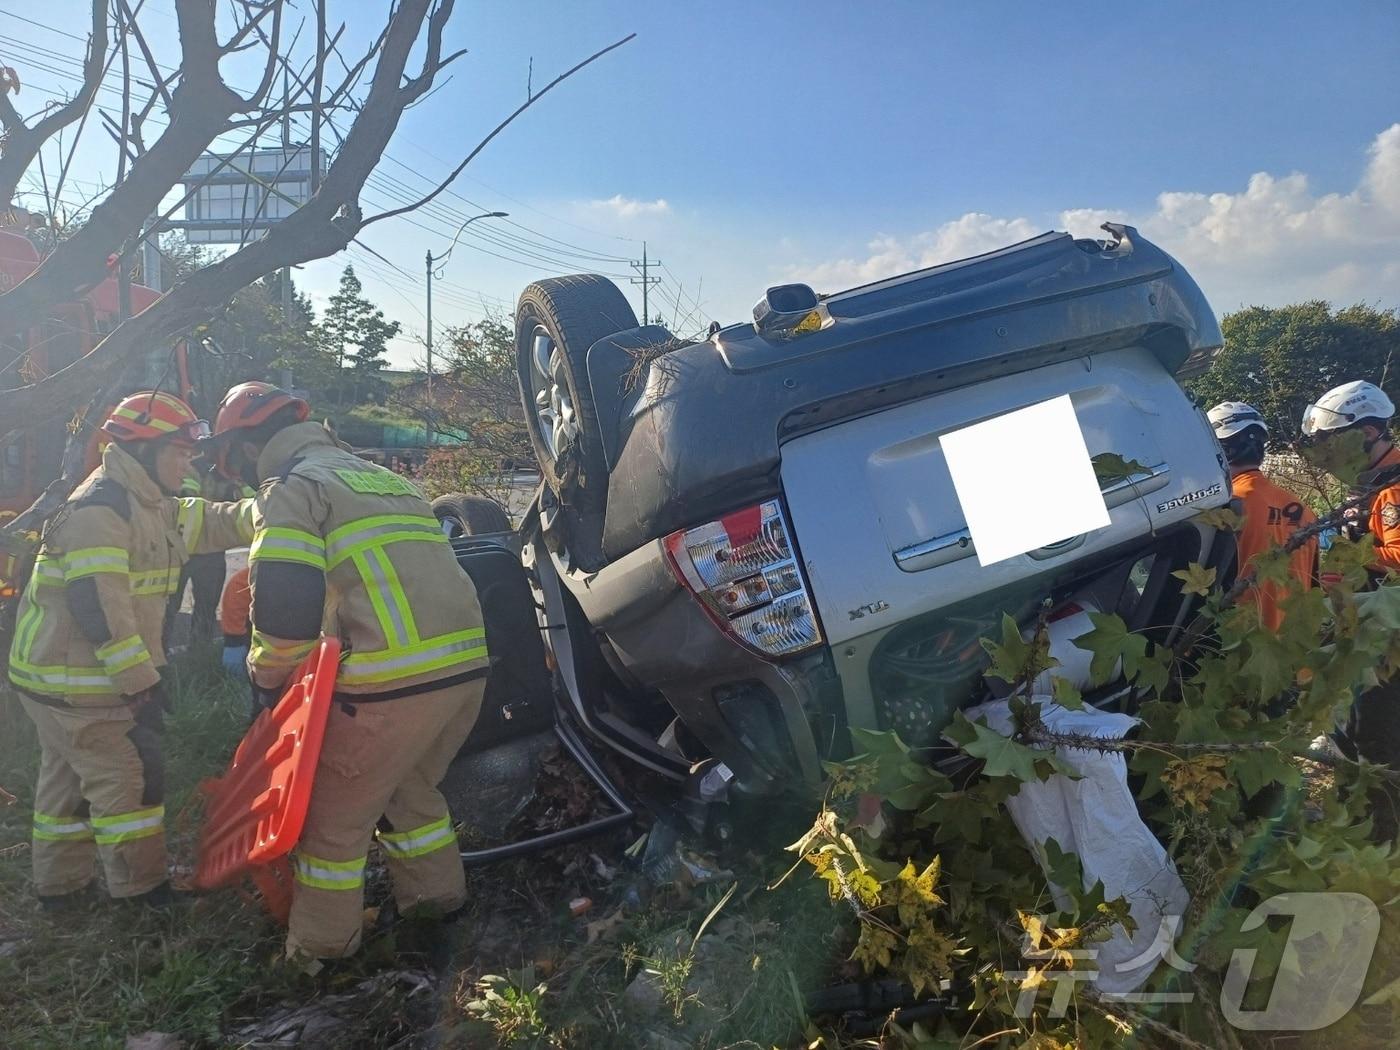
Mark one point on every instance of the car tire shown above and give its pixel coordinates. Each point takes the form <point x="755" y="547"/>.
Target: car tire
<point x="463" y="515"/>
<point x="556" y="321"/>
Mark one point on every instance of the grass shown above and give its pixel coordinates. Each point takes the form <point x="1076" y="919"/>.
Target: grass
<point x="211" y="966"/>
<point x="517" y="971"/>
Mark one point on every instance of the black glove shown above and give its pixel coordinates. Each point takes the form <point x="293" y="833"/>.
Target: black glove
<point x="265" y="698"/>
<point x="148" y="707"/>
<point x="1355" y="523"/>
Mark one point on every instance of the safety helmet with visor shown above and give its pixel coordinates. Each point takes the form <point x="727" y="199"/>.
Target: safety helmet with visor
<point x="1241" y="431"/>
<point x="1346" y="406"/>
<point x="153" y="415"/>
<point x="245" y="408"/>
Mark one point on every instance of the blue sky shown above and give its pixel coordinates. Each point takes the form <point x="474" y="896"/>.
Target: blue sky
<point x="836" y="142"/>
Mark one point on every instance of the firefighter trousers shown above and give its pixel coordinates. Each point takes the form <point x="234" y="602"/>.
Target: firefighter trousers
<point x="378" y="776"/>
<point x="100" y="794"/>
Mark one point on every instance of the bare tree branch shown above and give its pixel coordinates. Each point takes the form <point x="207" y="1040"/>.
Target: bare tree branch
<point x="321" y="227"/>
<point x="201" y="106"/>
<point x="264" y="8"/>
<point x="126" y="104"/>
<point x="415" y="84"/>
<point x="24" y="141"/>
<point x="159" y="80"/>
<point x="270" y="70"/>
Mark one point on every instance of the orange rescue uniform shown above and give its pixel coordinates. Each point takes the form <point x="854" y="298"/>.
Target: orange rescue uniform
<point x="1271" y="515"/>
<point x="234" y="606"/>
<point x="1385" y="518"/>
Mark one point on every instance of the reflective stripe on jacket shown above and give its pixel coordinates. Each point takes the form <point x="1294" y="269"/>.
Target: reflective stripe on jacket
<point x="353" y="550"/>
<point x="88" y="629"/>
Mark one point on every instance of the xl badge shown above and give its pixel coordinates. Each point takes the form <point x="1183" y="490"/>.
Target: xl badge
<point x="1189" y="497"/>
<point x="1390" y="515"/>
<point x="868" y="609"/>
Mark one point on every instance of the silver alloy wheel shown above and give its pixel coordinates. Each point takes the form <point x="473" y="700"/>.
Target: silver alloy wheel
<point x="554" y="408"/>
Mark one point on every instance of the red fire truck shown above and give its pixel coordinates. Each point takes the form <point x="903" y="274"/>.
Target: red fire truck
<point x="31" y="459"/>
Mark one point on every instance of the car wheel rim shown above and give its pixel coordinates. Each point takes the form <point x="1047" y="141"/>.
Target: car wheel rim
<point x="549" y="386"/>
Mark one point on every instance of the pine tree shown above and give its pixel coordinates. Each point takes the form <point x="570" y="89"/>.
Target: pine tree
<point x="357" y="334"/>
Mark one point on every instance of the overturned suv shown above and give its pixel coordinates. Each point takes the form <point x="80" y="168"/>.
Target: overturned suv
<point x="744" y="545"/>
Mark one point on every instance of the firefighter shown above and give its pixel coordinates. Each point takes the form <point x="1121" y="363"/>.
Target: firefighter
<point x="1374" y="730"/>
<point x="233" y="620"/>
<point x="354" y="550"/>
<point x="87" y="655"/>
<point x="204" y="573"/>
<point x="1365" y="407"/>
<point x="1271" y="513"/>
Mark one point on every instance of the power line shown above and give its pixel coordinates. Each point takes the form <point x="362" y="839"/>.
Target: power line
<point x="534" y="250"/>
<point x="530" y="247"/>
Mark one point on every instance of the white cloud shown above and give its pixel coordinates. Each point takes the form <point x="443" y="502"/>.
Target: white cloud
<point x="1274" y="241"/>
<point x="970" y="235"/>
<point x="627" y="208"/>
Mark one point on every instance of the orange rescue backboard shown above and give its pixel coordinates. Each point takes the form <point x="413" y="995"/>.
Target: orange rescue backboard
<point x="254" y="813"/>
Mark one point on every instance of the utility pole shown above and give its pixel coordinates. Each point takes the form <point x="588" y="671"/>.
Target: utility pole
<point x="317" y="74"/>
<point x="645" y="281"/>
<point x="286" y="149"/>
<point x="428" y="276"/>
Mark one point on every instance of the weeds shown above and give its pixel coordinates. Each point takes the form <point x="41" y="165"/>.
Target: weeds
<point x="511" y="1006"/>
<point x="209" y="971"/>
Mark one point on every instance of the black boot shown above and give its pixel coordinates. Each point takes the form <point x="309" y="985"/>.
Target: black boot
<point x="158" y="898"/>
<point x="67" y="903"/>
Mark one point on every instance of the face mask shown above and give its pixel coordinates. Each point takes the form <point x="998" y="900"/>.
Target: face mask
<point x="241" y="466"/>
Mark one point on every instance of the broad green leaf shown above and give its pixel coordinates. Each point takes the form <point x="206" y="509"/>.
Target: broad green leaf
<point x="1342" y="455"/>
<point x="1221" y="518"/>
<point x="1001" y="756"/>
<point x="1255" y="770"/>
<point x="1110" y="467"/>
<point x="1065" y="869"/>
<point x="1268" y="663"/>
<point x="1348" y="557"/>
<point x="1067" y="695"/>
<point x="1014" y="659"/>
<point x="1195" y="579"/>
<point x="898" y="777"/>
<point x="1110" y="641"/>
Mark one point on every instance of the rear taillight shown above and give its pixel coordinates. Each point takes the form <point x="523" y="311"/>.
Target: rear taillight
<point x="744" y="571"/>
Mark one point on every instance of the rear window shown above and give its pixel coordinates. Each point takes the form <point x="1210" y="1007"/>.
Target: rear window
<point x="925" y="670"/>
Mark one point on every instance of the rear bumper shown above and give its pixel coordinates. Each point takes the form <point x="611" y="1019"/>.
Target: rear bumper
<point x="771" y="723"/>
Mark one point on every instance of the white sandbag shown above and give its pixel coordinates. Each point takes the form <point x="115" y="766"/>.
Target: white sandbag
<point x="1073" y="622"/>
<point x="1096" y="818"/>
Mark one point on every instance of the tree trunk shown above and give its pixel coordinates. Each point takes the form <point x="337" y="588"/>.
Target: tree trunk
<point x="80" y="262"/>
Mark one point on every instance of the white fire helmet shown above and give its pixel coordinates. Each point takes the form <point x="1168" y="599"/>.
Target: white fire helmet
<point x="1234" y="417"/>
<point x="1345" y="405"/>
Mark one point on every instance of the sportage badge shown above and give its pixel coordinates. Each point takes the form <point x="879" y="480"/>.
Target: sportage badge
<point x="1188" y="497"/>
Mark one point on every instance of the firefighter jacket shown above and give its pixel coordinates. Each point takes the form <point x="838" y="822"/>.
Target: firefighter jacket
<point x="88" y="629"/>
<point x="354" y="551"/>
<point x="1385" y="514"/>
<point x="1271" y="516"/>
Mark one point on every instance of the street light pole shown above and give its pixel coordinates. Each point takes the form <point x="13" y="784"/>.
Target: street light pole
<point x="428" y="262"/>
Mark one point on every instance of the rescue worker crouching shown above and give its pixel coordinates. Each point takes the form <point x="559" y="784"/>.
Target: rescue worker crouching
<point x="350" y="549"/>
<point x="87" y="655"/>
<point x="1272" y="514"/>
